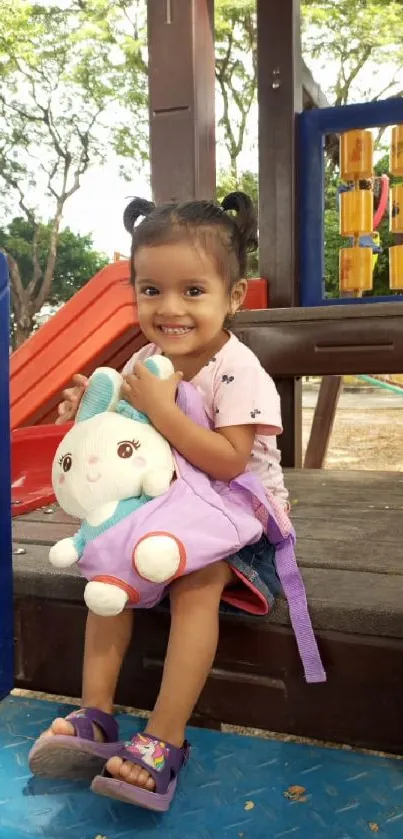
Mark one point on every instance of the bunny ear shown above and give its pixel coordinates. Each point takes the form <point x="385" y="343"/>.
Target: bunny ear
<point x="102" y="394"/>
<point x="160" y="366"/>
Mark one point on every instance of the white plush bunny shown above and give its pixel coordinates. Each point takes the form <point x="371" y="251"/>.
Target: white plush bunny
<point x="109" y="463"/>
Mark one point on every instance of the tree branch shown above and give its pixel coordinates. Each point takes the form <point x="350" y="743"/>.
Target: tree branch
<point x="37" y="272"/>
<point x="17" y="288"/>
<point x="10" y="181"/>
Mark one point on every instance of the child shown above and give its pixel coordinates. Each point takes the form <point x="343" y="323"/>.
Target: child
<point x="188" y="268"/>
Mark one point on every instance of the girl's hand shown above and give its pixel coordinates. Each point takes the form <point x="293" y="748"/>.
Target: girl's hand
<point x="71" y="399"/>
<point x="149" y="394"/>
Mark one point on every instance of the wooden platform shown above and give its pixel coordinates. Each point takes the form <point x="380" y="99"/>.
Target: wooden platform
<point x="350" y="549"/>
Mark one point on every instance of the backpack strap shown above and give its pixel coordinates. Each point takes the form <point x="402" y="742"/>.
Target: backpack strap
<point x="294" y="590"/>
<point x="281" y="534"/>
<point x="190" y="401"/>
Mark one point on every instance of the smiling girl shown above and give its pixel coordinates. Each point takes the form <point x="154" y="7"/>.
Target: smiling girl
<point x="188" y="272"/>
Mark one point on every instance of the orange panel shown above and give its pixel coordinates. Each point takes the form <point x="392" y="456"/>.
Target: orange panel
<point x="258" y="295"/>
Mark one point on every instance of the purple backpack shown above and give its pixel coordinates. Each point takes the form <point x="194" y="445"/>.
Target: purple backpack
<point x="200" y="521"/>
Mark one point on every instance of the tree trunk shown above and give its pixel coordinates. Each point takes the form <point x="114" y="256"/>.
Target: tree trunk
<point x="22" y="331"/>
<point x="47" y="279"/>
<point x="26" y="302"/>
<point x="20" y="305"/>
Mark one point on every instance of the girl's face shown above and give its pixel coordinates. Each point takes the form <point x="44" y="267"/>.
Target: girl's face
<point x="182" y="300"/>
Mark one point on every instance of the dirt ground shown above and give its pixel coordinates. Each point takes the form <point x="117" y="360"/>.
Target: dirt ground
<point x="363" y="437"/>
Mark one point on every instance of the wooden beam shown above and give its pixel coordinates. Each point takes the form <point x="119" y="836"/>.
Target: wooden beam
<point x="313" y="96"/>
<point x="326" y="340"/>
<point x="181" y="82"/>
<point x="280" y="99"/>
<point x="323" y="421"/>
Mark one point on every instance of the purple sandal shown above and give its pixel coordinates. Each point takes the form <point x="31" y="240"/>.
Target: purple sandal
<point x="77" y="756"/>
<point x="161" y="760"/>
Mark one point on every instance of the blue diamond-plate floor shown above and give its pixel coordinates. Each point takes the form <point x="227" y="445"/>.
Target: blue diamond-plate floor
<point x="234" y="788"/>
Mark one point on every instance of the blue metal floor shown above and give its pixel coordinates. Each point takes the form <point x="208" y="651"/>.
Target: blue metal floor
<point x="234" y="788"/>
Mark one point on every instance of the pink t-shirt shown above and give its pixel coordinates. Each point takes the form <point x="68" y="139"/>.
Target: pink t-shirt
<point x="236" y="390"/>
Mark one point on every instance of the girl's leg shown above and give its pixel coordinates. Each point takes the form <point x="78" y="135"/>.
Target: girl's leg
<point x="195" y="601"/>
<point x="106" y="642"/>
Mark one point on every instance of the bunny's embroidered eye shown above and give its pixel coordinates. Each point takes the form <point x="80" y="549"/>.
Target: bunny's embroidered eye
<point x="66" y="462"/>
<point x="127" y="447"/>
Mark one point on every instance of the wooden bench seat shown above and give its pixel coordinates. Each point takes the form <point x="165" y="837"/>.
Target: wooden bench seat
<point x="350" y="550"/>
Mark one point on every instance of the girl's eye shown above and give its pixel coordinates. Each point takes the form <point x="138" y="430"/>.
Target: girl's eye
<point x="149" y="291"/>
<point x="194" y="291"/>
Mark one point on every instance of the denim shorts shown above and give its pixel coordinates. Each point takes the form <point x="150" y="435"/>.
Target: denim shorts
<point x="258" y="584"/>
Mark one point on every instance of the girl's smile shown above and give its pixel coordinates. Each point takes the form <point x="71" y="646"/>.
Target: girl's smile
<point x="182" y="300"/>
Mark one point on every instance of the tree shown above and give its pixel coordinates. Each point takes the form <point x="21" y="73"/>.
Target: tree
<point x="362" y="40"/>
<point x="64" y="90"/>
<point x="236" y="71"/>
<point x="76" y="260"/>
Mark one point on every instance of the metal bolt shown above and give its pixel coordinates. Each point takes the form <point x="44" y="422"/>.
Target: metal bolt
<point x="48" y="511"/>
<point x="19" y="551"/>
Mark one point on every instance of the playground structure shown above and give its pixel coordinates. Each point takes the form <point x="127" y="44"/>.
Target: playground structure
<point x="357" y="263"/>
<point x="290" y="340"/>
<point x="342" y="519"/>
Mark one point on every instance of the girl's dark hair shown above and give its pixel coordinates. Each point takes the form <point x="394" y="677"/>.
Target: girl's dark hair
<point x="227" y="230"/>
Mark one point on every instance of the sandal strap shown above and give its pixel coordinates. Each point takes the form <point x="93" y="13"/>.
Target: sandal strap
<point x="160" y="759"/>
<point x="84" y="719"/>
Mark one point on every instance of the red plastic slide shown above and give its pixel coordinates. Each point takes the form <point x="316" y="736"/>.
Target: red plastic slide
<point x="98" y="326"/>
<point x="33" y="450"/>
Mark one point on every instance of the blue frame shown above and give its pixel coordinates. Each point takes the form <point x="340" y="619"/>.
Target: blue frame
<point x="312" y="128"/>
<point x="6" y="590"/>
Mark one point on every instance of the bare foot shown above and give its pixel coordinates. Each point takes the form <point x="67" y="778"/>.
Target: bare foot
<point x="125" y="770"/>
<point x="132" y="773"/>
<point x="52" y="756"/>
<point x="63" y="726"/>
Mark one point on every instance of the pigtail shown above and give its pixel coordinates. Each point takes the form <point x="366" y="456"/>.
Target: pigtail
<point x="244" y="217"/>
<point x="137" y="208"/>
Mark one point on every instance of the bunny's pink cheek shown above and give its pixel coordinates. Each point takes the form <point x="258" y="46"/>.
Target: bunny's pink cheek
<point x="61" y="479"/>
<point x="138" y="462"/>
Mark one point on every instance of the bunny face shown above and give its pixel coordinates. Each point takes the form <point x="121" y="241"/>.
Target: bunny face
<point x="105" y="459"/>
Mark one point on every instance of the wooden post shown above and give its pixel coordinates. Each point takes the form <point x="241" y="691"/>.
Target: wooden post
<point x="181" y="83"/>
<point x="323" y="421"/>
<point x="280" y="99"/>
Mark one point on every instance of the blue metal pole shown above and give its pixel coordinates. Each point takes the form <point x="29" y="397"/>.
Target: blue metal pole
<point x="6" y="592"/>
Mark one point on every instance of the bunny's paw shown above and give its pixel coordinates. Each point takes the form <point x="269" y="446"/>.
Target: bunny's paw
<point x="63" y="553"/>
<point x="156" y="482"/>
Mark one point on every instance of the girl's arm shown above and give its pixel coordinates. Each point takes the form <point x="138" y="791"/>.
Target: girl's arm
<point x="222" y="454"/>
